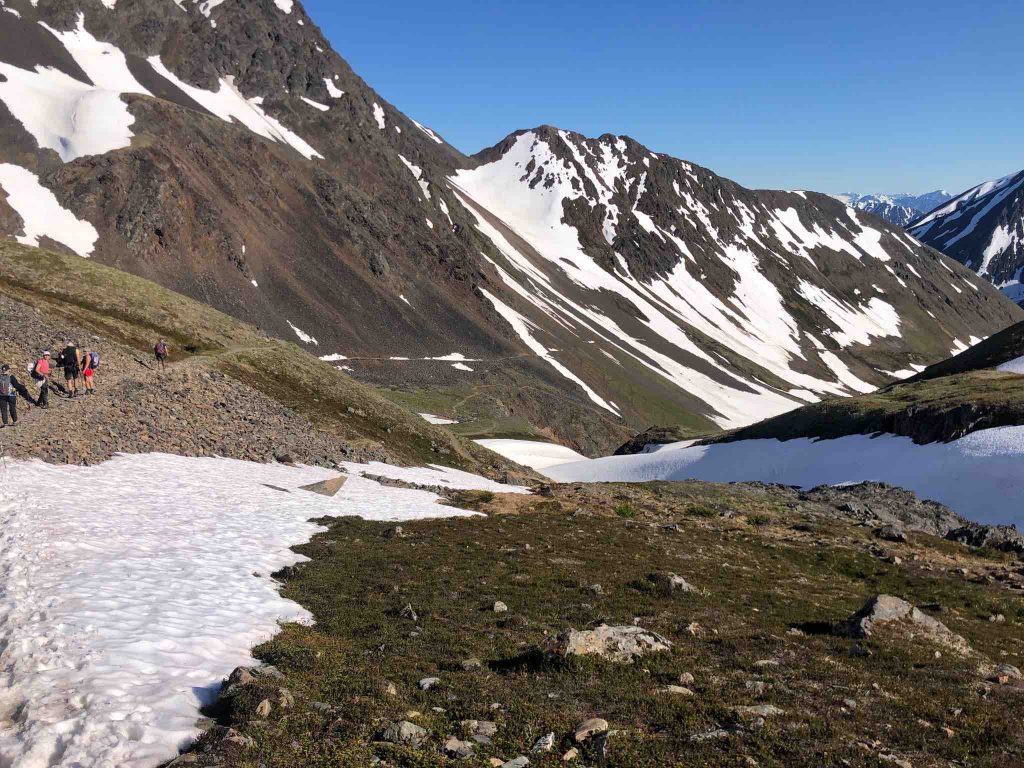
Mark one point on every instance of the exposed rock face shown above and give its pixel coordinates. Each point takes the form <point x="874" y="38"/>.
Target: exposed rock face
<point x="1005" y="538"/>
<point x="885" y="505"/>
<point x="254" y="171"/>
<point x="618" y="643"/>
<point x="882" y="611"/>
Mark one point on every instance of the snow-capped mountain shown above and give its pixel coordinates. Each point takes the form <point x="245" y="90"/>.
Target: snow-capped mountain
<point x="983" y="229"/>
<point x="587" y="285"/>
<point x="899" y="209"/>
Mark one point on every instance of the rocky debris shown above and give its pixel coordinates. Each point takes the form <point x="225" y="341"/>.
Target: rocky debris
<point x="481" y="731"/>
<point x="404" y="732"/>
<point x="471" y="665"/>
<point x="263" y="709"/>
<point x="1005" y="538"/>
<point x="883" y="610"/>
<point x="615" y="643"/>
<point x="588" y="729"/>
<point x="499" y="607"/>
<point x="544" y="744"/>
<point x="329" y="487"/>
<point x="570" y="754"/>
<point x="395" y="533"/>
<point x="670" y="583"/>
<point x="217" y="747"/>
<point x="408" y="612"/>
<point x="891" y="533"/>
<point x="457" y="748"/>
<point x="516" y="762"/>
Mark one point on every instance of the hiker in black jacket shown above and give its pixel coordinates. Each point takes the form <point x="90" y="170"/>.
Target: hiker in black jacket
<point x="71" y="361"/>
<point x="10" y="388"/>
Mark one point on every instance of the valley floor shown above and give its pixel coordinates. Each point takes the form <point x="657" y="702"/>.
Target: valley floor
<point x="430" y="641"/>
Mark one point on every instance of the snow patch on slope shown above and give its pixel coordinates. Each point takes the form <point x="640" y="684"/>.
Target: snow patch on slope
<point x="42" y="214"/>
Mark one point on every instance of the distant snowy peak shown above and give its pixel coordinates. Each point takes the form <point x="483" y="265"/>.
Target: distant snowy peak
<point x="899" y="209"/>
<point x="983" y="228"/>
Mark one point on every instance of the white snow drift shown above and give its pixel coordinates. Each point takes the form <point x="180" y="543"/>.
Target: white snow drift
<point x="129" y="589"/>
<point x="42" y="214"/>
<point x="978" y="476"/>
<point x="535" y="454"/>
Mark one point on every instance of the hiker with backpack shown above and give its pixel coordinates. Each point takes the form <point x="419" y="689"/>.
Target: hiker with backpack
<point x="40" y="372"/>
<point x="90" y="362"/>
<point x="70" y="360"/>
<point x="10" y="388"/>
<point x="160" y="351"/>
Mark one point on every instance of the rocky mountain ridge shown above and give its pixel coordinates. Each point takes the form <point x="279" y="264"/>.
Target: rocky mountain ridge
<point x="983" y="228"/>
<point x="589" y="285"/>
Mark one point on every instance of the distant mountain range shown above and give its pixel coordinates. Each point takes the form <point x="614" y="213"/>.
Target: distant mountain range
<point x="900" y="209"/>
<point x="983" y="228"/>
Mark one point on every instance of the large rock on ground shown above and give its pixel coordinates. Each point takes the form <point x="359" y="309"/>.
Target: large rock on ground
<point x="328" y="487"/>
<point x="619" y="643"/>
<point x="884" y="610"/>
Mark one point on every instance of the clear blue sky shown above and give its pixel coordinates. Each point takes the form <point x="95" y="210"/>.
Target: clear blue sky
<point x="862" y="96"/>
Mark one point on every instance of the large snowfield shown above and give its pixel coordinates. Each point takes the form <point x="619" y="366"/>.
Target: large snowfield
<point x="978" y="476"/>
<point x="130" y="589"/>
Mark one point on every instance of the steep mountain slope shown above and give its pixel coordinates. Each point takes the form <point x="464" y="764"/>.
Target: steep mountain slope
<point x="899" y="209"/>
<point x="978" y="389"/>
<point x="589" y="287"/>
<point x="984" y="229"/>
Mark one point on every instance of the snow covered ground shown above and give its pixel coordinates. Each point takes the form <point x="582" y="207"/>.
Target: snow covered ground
<point x="129" y="589"/>
<point x="532" y="453"/>
<point x="978" y="476"/>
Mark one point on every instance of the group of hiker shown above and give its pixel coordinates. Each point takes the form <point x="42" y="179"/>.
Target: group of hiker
<point x="76" y="364"/>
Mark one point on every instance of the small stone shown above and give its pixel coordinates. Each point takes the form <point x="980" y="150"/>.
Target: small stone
<point x="997" y="618"/>
<point x="471" y="665"/>
<point x="678" y="690"/>
<point x="891" y="533"/>
<point x="620" y="643"/>
<point x="481" y="731"/>
<point x="390" y="689"/>
<point x="849" y="703"/>
<point x="516" y="762"/>
<point x="263" y="709"/>
<point x="1003" y="674"/>
<point x="495" y="762"/>
<point x="766" y="663"/>
<point x="670" y="583"/>
<point x="571" y="754"/>
<point x="590" y="728"/>
<point x="395" y="533"/>
<point x="500" y="607"/>
<point x="428" y="682"/>
<point x="544" y="744"/>
<point x="408" y="613"/>
<point x="404" y="732"/>
<point x="695" y="629"/>
<point x="759" y="710"/>
<point x="328" y="487"/>
<point x="687" y="679"/>
<point x="597" y="589"/>
<point x="457" y="748"/>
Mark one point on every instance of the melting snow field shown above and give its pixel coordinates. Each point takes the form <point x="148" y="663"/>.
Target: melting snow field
<point x="532" y="453"/>
<point x="978" y="476"/>
<point x="129" y="589"/>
